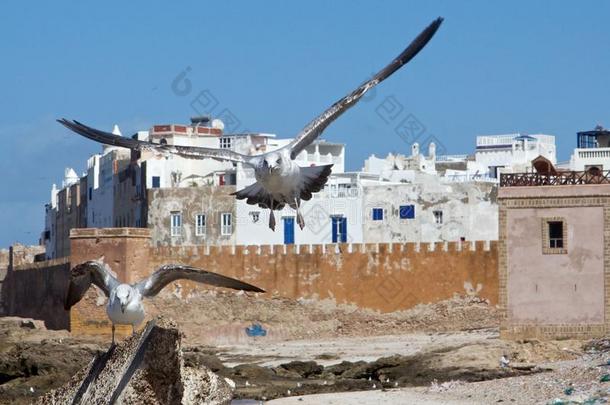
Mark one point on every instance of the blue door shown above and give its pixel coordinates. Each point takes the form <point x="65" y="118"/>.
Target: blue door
<point x="288" y="230"/>
<point x="339" y="229"/>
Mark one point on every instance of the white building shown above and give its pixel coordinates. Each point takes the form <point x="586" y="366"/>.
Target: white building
<point x="396" y="167"/>
<point x="593" y="151"/>
<point x="395" y="199"/>
<point x="429" y="208"/>
<point x="511" y="153"/>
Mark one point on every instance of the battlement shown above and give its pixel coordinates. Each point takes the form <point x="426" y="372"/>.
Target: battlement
<point x="384" y="277"/>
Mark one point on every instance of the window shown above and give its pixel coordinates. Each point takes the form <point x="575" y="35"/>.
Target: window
<point x="554" y="236"/>
<point x="407" y="211"/>
<point x="594" y="170"/>
<point x="377" y="214"/>
<point x="156" y="181"/>
<point x="176" y="223"/>
<point x="438" y="216"/>
<point x="225" y="143"/>
<point x="90" y="193"/>
<point x="200" y="225"/>
<point x="347" y="190"/>
<point x="226" y="222"/>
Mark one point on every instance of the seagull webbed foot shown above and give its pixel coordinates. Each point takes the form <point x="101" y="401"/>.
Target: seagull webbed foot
<point x="300" y="220"/>
<point x="272" y="221"/>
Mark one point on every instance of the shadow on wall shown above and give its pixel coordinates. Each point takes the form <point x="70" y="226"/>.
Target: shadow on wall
<point x="37" y="290"/>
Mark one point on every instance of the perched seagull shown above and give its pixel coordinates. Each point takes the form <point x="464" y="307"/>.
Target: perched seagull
<point x="125" y="301"/>
<point x="279" y="180"/>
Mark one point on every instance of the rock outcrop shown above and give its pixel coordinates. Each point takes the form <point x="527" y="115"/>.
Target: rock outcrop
<point x="147" y="368"/>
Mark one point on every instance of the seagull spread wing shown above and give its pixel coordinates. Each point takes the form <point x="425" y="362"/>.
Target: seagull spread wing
<point x="192" y="152"/>
<point x="317" y="126"/>
<point x="172" y="272"/>
<point x="85" y="274"/>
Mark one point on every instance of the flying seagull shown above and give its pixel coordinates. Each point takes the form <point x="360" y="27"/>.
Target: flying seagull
<point x="125" y="300"/>
<point x="279" y="180"/>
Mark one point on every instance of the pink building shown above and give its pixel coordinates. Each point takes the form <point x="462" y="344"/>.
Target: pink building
<point x="554" y="254"/>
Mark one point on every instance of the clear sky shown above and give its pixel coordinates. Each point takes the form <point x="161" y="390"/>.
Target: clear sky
<point x="493" y="67"/>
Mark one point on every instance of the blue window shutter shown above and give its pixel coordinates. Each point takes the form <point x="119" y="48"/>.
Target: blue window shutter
<point x="377" y="214"/>
<point x="407" y="211"/>
<point x="334" y="229"/>
<point x="288" y="230"/>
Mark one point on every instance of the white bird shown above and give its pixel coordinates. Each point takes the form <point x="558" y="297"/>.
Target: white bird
<point x="125" y="300"/>
<point x="279" y="180"/>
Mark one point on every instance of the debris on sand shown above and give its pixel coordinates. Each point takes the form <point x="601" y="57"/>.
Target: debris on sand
<point x="224" y="313"/>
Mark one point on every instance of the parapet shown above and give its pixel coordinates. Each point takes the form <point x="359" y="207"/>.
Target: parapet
<point x="84" y="233"/>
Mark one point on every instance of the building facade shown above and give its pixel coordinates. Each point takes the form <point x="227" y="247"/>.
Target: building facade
<point x="401" y="198"/>
<point x="554" y="255"/>
<point x="512" y="153"/>
<point x="592" y="151"/>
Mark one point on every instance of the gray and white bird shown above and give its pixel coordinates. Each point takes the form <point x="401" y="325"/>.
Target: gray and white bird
<point x="279" y="180"/>
<point x="125" y="300"/>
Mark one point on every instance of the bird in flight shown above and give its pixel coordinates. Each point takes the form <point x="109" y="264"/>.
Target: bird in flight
<point x="125" y="300"/>
<point x="279" y="180"/>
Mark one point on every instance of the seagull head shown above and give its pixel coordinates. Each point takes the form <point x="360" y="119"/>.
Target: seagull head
<point x="124" y="294"/>
<point x="272" y="162"/>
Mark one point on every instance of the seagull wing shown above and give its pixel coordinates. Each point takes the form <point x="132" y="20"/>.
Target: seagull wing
<point x="85" y="274"/>
<point x="172" y="272"/>
<point x="192" y="152"/>
<point x="319" y="124"/>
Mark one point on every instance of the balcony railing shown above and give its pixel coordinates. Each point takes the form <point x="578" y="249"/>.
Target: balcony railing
<point x="593" y="153"/>
<point x="451" y="158"/>
<point x="558" y="179"/>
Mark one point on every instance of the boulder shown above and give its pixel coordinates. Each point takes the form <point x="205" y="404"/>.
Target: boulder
<point x="304" y="368"/>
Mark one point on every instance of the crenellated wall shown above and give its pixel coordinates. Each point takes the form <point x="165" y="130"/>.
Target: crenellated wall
<point x="383" y="277"/>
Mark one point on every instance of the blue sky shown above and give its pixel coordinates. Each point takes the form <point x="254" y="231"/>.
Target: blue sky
<point x="493" y="67"/>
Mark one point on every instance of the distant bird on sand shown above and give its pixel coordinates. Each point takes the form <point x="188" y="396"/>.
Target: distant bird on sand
<point x="279" y="180"/>
<point x="125" y="301"/>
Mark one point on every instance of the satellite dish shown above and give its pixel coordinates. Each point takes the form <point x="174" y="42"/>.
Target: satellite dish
<point x="218" y="124"/>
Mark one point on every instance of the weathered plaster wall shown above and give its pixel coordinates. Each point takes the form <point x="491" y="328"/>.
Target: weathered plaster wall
<point x="469" y="211"/>
<point x="381" y="277"/>
<point x="37" y="290"/>
<point x="556" y="288"/>
<point x="70" y="213"/>
<point x="4" y="262"/>
<point x="190" y="201"/>
<point x="554" y="295"/>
